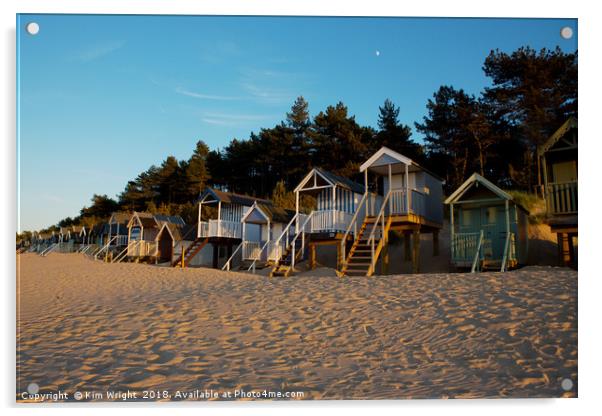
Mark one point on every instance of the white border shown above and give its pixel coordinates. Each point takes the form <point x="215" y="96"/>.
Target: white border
<point x="589" y="277"/>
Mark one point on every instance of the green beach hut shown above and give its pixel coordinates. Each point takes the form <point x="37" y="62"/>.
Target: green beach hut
<point x="488" y="229"/>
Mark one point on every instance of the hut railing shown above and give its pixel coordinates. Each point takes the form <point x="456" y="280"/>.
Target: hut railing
<point x="509" y="251"/>
<point x="379" y="224"/>
<point x="464" y="246"/>
<point x="330" y="220"/>
<point x="478" y="255"/>
<point x="104" y="248"/>
<point x="228" y="264"/>
<point x="251" y="250"/>
<point x="203" y="229"/>
<point x="561" y="197"/>
<point x="353" y="223"/>
<point x="142" y="248"/>
<point x="223" y="228"/>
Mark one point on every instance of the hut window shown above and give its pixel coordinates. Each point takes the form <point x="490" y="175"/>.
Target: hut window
<point x="490" y="215"/>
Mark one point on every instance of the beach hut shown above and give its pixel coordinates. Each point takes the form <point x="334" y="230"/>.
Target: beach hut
<point x="116" y="229"/>
<point x="408" y="199"/>
<point x="171" y="239"/>
<point x="78" y="234"/>
<point x="64" y="234"/>
<point x="262" y="224"/>
<point x="143" y="229"/>
<point x="336" y="199"/>
<point x="558" y="160"/>
<point x="489" y="229"/>
<point x="219" y="226"/>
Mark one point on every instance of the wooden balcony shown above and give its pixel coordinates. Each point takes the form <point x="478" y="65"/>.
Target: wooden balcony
<point x="561" y="198"/>
<point x="220" y="228"/>
<point x="330" y="220"/>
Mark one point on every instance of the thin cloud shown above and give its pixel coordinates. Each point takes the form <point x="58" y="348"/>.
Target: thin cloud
<point x="194" y="94"/>
<point x="267" y="94"/>
<point x="224" y="119"/>
<point x="98" y="51"/>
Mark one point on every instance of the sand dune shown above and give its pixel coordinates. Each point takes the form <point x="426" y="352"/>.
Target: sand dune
<point x="86" y="325"/>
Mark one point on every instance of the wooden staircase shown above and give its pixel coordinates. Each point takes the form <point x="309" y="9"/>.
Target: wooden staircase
<point x="192" y="251"/>
<point x="359" y="261"/>
<point x="284" y="267"/>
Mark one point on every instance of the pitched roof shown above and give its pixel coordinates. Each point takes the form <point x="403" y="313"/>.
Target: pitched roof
<point x="476" y="178"/>
<point x="174" y="219"/>
<point x="231" y="198"/>
<point x="332" y="179"/>
<point x="77" y="229"/>
<point x="277" y="214"/>
<point x="571" y="123"/>
<point x="120" y="217"/>
<point x="178" y="232"/>
<point x="64" y="230"/>
<point x="342" y="181"/>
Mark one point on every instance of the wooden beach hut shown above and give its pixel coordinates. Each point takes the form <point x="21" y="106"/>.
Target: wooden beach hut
<point x="172" y="239"/>
<point x="262" y="224"/>
<point x="219" y="226"/>
<point x="558" y="161"/>
<point x="116" y="230"/>
<point x="408" y="200"/>
<point x="143" y="229"/>
<point x="336" y="199"/>
<point x="489" y="230"/>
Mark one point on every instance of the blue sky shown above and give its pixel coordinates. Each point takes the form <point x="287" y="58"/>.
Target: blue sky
<point x="101" y="98"/>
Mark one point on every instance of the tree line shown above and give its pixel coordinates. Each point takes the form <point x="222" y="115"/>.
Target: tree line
<point x="494" y="133"/>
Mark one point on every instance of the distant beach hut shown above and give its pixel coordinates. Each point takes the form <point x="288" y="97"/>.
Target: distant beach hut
<point x="220" y="227"/>
<point x="407" y="198"/>
<point x="558" y="160"/>
<point x="143" y="229"/>
<point x="489" y="230"/>
<point x="261" y="226"/>
<point x="172" y="239"/>
<point x="116" y="229"/>
<point x="64" y="234"/>
<point x="78" y="234"/>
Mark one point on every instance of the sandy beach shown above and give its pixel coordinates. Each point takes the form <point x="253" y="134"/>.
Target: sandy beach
<point x="84" y="325"/>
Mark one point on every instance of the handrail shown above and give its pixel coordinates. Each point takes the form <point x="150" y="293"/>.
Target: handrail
<point x="351" y="223"/>
<point x="284" y="232"/>
<point x="181" y="242"/>
<point x="371" y="236"/>
<point x="49" y="249"/>
<point x="123" y="252"/>
<point x="252" y="266"/>
<point x="105" y="247"/>
<point x="302" y="233"/>
<point x="477" y="253"/>
<point x="506" y="249"/>
<point x="227" y="265"/>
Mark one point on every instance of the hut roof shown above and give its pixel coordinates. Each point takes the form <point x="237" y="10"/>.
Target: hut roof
<point x="571" y="123"/>
<point x="120" y="217"/>
<point x="230" y="197"/>
<point x="332" y="179"/>
<point x="475" y="178"/>
<point x="277" y="214"/>
<point x="272" y="213"/>
<point x="178" y="232"/>
<point x="174" y="219"/>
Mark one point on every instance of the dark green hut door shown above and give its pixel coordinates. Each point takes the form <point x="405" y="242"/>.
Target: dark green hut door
<point x="490" y="219"/>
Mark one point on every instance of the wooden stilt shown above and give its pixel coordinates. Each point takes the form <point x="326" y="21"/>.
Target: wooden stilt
<point x="571" y="249"/>
<point x="563" y="246"/>
<point x="215" y="255"/>
<point x="384" y="265"/>
<point x="339" y="259"/>
<point x="416" y="251"/>
<point x="436" y="243"/>
<point x="312" y="256"/>
<point x="406" y="246"/>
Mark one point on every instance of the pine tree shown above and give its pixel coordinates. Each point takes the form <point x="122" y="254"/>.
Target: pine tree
<point x="197" y="173"/>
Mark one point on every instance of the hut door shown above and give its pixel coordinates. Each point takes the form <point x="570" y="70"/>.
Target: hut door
<point x="165" y="247"/>
<point x="493" y="223"/>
